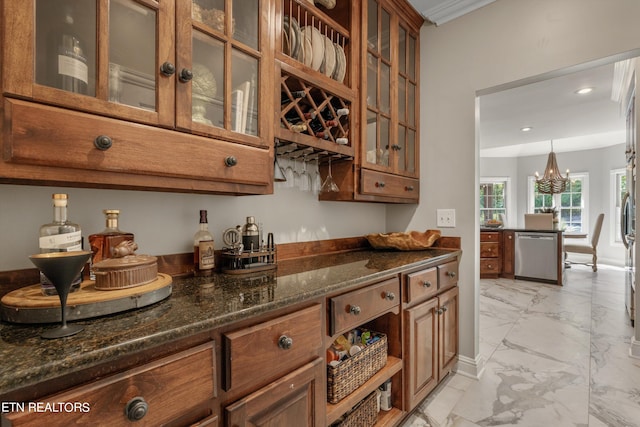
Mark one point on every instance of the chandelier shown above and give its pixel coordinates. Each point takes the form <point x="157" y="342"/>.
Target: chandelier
<point x="552" y="182"/>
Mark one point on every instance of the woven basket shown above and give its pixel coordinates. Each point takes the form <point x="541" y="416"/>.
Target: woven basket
<point x="364" y="414"/>
<point x="351" y="373"/>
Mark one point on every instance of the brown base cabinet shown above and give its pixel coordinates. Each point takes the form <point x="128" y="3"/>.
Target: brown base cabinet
<point x="163" y="392"/>
<point x="270" y="369"/>
<point x="290" y="401"/>
<point x="490" y="254"/>
<point x="430" y="332"/>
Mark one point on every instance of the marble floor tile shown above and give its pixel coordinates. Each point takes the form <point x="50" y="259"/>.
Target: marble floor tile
<point x="555" y="356"/>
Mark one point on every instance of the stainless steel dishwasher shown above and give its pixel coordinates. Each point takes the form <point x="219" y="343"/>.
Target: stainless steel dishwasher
<point x="536" y="255"/>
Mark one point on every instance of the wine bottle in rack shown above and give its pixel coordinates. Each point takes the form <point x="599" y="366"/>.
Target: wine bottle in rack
<point x="296" y="94"/>
<point x="292" y="116"/>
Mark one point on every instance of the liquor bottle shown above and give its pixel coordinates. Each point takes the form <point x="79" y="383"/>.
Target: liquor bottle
<point x="60" y="235"/>
<point x="103" y="243"/>
<point x="68" y="61"/>
<point x="203" y="255"/>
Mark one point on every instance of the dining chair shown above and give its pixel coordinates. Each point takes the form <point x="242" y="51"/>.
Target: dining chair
<point x="587" y="246"/>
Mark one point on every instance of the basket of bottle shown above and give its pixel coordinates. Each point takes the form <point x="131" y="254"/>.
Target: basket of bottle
<point x="352" y="360"/>
<point x="364" y="414"/>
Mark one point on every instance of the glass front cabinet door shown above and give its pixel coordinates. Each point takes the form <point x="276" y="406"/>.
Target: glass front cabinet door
<point x="390" y="104"/>
<point x="192" y="67"/>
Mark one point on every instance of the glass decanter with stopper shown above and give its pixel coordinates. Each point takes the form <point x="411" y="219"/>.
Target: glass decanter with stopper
<point x="103" y="244"/>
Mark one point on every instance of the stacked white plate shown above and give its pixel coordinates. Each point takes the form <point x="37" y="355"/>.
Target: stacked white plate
<point x="314" y="49"/>
<point x="341" y="64"/>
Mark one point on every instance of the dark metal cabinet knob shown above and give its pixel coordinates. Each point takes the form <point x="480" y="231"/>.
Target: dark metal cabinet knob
<point x="355" y="310"/>
<point x="389" y="296"/>
<point x="426" y="284"/>
<point x="285" y="342"/>
<point x="380" y="184"/>
<point x="439" y="311"/>
<point x="230" y="161"/>
<point x="444" y="308"/>
<point x="451" y="274"/>
<point x="409" y="188"/>
<point x="102" y="142"/>
<point x="168" y="69"/>
<point x="185" y="75"/>
<point x="136" y="408"/>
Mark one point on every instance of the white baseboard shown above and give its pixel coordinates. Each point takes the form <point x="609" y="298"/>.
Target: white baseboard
<point x="472" y="368"/>
<point x="634" y="350"/>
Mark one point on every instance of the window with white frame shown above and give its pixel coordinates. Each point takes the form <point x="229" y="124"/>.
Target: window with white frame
<point x="493" y="198"/>
<point x="618" y="189"/>
<point x="572" y="205"/>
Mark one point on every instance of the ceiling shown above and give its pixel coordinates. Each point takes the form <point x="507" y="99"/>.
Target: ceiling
<point x="550" y="106"/>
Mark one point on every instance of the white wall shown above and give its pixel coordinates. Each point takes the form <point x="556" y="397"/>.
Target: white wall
<point x="164" y="223"/>
<point x="598" y="163"/>
<point x="503" y="42"/>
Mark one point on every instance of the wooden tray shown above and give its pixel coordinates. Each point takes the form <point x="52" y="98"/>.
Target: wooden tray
<point x="28" y="305"/>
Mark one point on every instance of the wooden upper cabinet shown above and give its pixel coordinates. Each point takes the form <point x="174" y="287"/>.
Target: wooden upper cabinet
<point x="165" y="69"/>
<point x="386" y="168"/>
<point x="390" y="96"/>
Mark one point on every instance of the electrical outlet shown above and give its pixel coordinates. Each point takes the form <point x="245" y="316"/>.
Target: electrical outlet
<point x="446" y="217"/>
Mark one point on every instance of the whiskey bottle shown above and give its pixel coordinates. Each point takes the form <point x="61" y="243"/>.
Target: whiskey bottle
<point x="203" y="254"/>
<point x="103" y="243"/>
<point x="60" y="235"/>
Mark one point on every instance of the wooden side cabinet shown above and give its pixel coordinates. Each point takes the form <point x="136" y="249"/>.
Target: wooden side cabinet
<point x="490" y="254"/>
<point x="430" y="336"/>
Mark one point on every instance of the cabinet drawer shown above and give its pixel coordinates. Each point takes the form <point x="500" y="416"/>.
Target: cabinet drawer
<point x="383" y="184"/>
<point x="490" y="236"/>
<point x="490" y="266"/>
<point x="179" y="386"/>
<point x="447" y="275"/>
<point x="422" y="284"/>
<point x="353" y="308"/>
<point x="48" y="136"/>
<point x="489" y="250"/>
<point x="258" y="354"/>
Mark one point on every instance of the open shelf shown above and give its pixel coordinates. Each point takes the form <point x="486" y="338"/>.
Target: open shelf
<point x="334" y="411"/>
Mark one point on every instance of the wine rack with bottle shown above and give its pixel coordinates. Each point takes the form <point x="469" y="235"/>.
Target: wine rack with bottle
<point x="317" y="104"/>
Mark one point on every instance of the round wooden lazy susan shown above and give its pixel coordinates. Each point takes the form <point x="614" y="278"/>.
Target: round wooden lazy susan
<point x="28" y="305"/>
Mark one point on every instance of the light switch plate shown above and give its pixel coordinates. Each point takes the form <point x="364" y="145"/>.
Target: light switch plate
<point x="446" y="217"/>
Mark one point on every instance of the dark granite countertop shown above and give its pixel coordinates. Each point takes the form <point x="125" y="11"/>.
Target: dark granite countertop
<point x="197" y="304"/>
